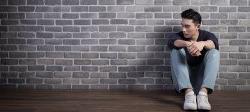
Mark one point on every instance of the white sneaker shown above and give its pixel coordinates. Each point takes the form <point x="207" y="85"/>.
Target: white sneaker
<point x="190" y="101"/>
<point x="202" y="100"/>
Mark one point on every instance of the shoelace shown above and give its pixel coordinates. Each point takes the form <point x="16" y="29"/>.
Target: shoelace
<point x="204" y="98"/>
<point x="189" y="99"/>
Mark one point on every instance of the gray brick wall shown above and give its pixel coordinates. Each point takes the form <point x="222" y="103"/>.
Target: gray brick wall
<point x="113" y="44"/>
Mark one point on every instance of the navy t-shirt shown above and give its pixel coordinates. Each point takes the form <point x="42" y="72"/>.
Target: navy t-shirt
<point x="203" y="36"/>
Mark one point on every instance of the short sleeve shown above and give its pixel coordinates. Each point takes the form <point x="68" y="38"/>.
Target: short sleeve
<point x="212" y="37"/>
<point x="173" y="38"/>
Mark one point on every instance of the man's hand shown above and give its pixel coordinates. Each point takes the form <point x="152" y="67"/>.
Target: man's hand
<point x="195" y="48"/>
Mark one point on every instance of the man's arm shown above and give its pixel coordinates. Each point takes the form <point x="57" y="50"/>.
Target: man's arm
<point x="182" y="43"/>
<point x="209" y="44"/>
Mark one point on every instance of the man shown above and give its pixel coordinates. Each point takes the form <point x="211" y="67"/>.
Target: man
<point x="194" y="61"/>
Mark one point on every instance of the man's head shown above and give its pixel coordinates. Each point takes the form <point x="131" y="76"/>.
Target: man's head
<point x="191" y="21"/>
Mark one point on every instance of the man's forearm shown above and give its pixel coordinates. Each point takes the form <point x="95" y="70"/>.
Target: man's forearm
<point x="182" y="43"/>
<point x="209" y="44"/>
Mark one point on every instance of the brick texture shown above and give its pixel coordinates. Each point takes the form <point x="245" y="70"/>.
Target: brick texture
<point x="113" y="44"/>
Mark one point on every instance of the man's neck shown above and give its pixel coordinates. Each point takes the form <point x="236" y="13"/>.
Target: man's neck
<point x="195" y="37"/>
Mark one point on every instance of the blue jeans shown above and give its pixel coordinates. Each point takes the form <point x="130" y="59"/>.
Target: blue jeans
<point x="194" y="77"/>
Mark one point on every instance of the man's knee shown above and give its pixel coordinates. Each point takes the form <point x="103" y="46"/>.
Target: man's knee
<point x="214" y="53"/>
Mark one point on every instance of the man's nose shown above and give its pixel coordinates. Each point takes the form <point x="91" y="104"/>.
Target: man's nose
<point x="183" y="29"/>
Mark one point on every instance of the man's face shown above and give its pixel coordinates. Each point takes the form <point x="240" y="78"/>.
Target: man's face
<point x="189" y="28"/>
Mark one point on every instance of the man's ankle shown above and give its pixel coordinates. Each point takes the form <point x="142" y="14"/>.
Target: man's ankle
<point x="188" y="90"/>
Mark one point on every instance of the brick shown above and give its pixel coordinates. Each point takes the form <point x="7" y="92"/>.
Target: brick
<point x="145" y="81"/>
<point x="218" y="29"/>
<point x="71" y="81"/>
<point x="89" y="68"/>
<point x="71" y="42"/>
<point x="44" y="35"/>
<point x="52" y="15"/>
<point x="125" y="2"/>
<point x="125" y="28"/>
<point x="70" y="2"/>
<point x="99" y="21"/>
<point x="107" y="2"/>
<point x="88" y="15"/>
<point x="34" y="15"/>
<point x="227" y="9"/>
<point x="108" y="55"/>
<point x="82" y="22"/>
<point x="137" y="62"/>
<point x="72" y="55"/>
<point x="144" y="15"/>
<point x="126" y="41"/>
<point x="35" y="54"/>
<point x="108" y="69"/>
<point x="126" y="68"/>
<point x="117" y="48"/>
<point x="99" y="48"/>
<point x="136" y="49"/>
<point x="118" y="21"/>
<point x="115" y="8"/>
<point x="34" y="2"/>
<point x="70" y="15"/>
<point x="208" y="9"/>
<point x="45" y="61"/>
<point x="107" y="15"/>
<point x="63" y="35"/>
<point x="137" y="22"/>
<point x="15" y="2"/>
<point x="238" y="2"/>
<point x="244" y="9"/>
<point x="219" y="16"/>
<point x="237" y="55"/>
<point x="154" y="74"/>
<point x="79" y="9"/>
<point x="97" y="9"/>
<point x="36" y="68"/>
<point x="145" y="42"/>
<point x="17" y="54"/>
<point x="63" y="62"/>
<point x="62" y="48"/>
<point x="8" y="9"/>
<point x="16" y="41"/>
<point x="52" y="2"/>
<point x="236" y="29"/>
<point x="244" y="22"/>
<point x="54" y="54"/>
<point x="100" y="62"/>
<point x="119" y="62"/>
<point x="117" y="35"/>
<point x="45" y="48"/>
<point x="9" y="61"/>
<point x="27" y="61"/>
<point x="53" y="81"/>
<point x="126" y="55"/>
<point x="144" y="2"/>
<point x="90" y="55"/>
<point x="237" y="68"/>
<point x="117" y="75"/>
<point x="181" y="2"/>
<point x="18" y="68"/>
<point x="107" y="41"/>
<point x="72" y="68"/>
<point x="244" y="76"/>
<point x="107" y="28"/>
<point x="229" y="22"/>
<point x="228" y="35"/>
<point x="9" y="74"/>
<point x="99" y="35"/>
<point x="54" y="68"/>
<point x="80" y="75"/>
<point x="88" y="2"/>
<point x="145" y="68"/>
<point x="64" y="22"/>
<point x="9" y="22"/>
<point x="53" y="41"/>
<point x="98" y="75"/>
<point x="220" y="2"/>
<point x="16" y="81"/>
<point x="126" y="15"/>
<point x="238" y="42"/>
<point x="126" y="81"/>
<point x="163" y="2"/>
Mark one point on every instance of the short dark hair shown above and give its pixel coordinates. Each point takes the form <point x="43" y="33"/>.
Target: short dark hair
<point x="191" y="14"/>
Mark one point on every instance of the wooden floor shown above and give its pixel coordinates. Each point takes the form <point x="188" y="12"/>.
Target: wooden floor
<point x="113" y="101"/>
